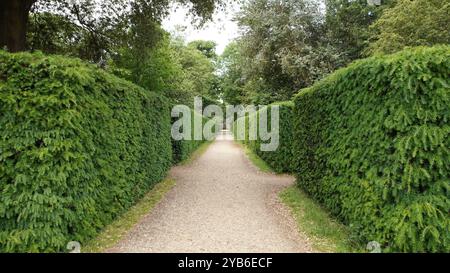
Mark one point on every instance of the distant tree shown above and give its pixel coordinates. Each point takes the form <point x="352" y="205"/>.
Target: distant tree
<point x="198" y="71"/>
<point x="157" y="70"/>
<point x="178" y="71"/>
<point x="411" y="23"/>
<point x="231" y="77"/>
<point x="207" y="48"/>
<point x="283" y="48"/>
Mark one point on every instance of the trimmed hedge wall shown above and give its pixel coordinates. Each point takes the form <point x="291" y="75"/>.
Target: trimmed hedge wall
<point x="78" y="147"/>
<point x="183" y="149"/>
<point x="372" y="143"/>
<point x="280" y="160"/>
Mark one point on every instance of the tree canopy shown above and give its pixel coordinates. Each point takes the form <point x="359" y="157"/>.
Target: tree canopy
<point x="288" y="45"/>
<point x="291" y="44"/>
<point x="347" y="25"/>
<point x="107" y="22"/>
<point x="207" y="48"/>
<point x="411" y="23"/>
<point x="284" y="45"/>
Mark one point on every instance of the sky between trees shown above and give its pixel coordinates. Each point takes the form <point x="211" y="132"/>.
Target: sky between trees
<point x="222" y="29"/>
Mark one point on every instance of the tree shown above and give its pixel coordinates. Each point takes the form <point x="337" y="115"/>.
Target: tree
<point x="283" y="48"/>
<point x="198" y="71"/>
<point x="287" y="45"/>
<point x="347" y="26"/>
<point x="231" y="76"/>
<point x="13" y="23"/>
<point x="158" y="70"/>
<point x="53" y="34"/>
<point x="99" y="18"/>
<point x="207" y="48"/>
<point x="411" y="23"/>
<point x="178" y="71"/>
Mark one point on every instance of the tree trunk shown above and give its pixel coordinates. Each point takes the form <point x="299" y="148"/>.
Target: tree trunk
<point x="13" y="23"/>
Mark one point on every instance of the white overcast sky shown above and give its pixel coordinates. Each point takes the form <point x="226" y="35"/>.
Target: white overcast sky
<point x="222" y="30"/>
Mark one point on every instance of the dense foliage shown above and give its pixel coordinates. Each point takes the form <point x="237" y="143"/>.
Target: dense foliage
<point x="372" y="143"/>
<point x="347" y="24"/>
<point x="183" y="149"/>
<point x="280" y="160"/>
<point x="77" y="148"/>
<point x="412" y="23"/>
<point x="106" y="24"/>
<point x="145" y="55"/>
<point x="288" y="45"/>
<point x="171" y="68"/>
<point x="282" y="48"/>
<point x="232" y="79"/>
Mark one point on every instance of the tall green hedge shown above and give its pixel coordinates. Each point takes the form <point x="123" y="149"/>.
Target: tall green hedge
<point x="183" y="149"/>
<point x="372" y="143"/>
<point x="281" y="159"/>
<point x="78" y="147"/>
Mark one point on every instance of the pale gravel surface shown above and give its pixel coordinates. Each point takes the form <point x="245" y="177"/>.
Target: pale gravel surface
<point x="221" y="203"/>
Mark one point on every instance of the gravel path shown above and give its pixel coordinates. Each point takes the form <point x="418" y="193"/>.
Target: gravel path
<point x="221" y="203"/>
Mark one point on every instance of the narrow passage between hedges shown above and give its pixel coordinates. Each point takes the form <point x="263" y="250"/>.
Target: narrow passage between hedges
<point x="221" y="203"/>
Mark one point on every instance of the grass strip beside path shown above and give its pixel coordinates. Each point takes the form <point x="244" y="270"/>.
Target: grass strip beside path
<point x="326" y="233"/>
<point x="114" y="232"/>
<point x="255" y="159"/>
<point x="197" y="153"/>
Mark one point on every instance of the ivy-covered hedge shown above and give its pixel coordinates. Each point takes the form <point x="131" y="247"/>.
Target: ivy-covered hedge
<point x="78" y="147"/>
<point x="372" y="143"/>
<point x="280" y="160"/>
